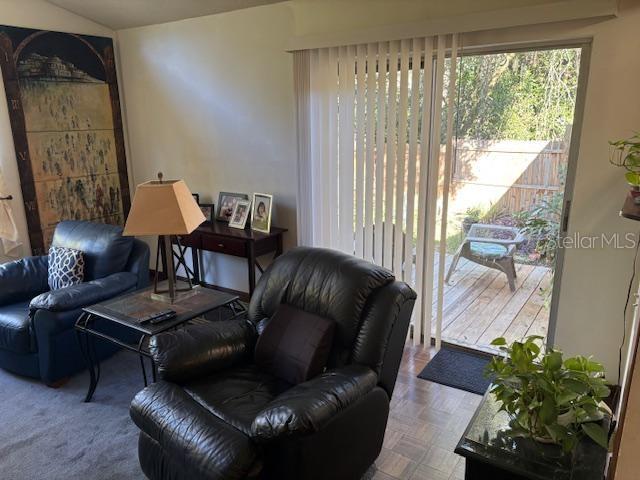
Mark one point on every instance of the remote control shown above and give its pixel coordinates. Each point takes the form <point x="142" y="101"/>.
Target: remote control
<point x="157" y="317"/>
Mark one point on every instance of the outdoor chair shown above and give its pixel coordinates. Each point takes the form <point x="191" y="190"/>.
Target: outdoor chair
<point x="492" y="246"/>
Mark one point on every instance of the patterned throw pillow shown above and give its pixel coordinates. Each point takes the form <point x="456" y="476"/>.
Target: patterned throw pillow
<point x="66" y="267"/>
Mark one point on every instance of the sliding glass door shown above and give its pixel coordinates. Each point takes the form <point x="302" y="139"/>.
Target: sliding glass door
<point x="453" y="174"/>
<point x="501" y="205"/>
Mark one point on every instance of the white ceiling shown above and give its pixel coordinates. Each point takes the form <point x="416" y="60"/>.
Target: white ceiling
<point x="119" y="14"/>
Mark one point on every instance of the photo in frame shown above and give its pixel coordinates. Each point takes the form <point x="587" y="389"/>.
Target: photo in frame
<point x="207" y="210"/>
<point x="261" y="212"/>
<point x="227" y="202"/>
<point x="240" y="214"/>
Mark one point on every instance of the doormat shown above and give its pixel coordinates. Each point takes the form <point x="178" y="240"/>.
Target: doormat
<point x="458" y="369"/>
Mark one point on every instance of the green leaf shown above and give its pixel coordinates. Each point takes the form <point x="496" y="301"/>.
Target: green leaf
<point x="548" y="413"/>
<point x="595" y="367"/>
<point x="575" y="386"/>
<point x="573" y="363"/>
<point x="499" y="341"/>
<point x="554" y="361"/>
<point x="602" y="391"/>
<point x="591" y="411"/>
<point x="535" y="349"/>
<point x="566" y="398"/>
<point x="597" y="434"/>
<point x="557" y="432"/>
<point x="632" y="178"/>
<point x="532" y="338"/>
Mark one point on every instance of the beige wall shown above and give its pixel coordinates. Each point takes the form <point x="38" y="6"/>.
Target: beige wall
<point x="45" y="16"/>
<point x="41" y="15"/>
<point x="211" y="100"/>
<point x="332" y="16"/>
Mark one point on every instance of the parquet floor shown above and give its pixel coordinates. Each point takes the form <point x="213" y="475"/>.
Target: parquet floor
<point x="425" y="424"/>
<point x="479" y="306"/>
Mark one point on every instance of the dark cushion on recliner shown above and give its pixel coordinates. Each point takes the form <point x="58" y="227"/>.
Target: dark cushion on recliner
<point x="295" y="344"/>
<point x="237" y="395"/>
<point x="325" y="282"/>
<point x="105" y="250"/>
<point x="14" y="328"/>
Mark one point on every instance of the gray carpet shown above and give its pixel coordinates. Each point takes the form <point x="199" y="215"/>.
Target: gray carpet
<point x="50" y="433"/>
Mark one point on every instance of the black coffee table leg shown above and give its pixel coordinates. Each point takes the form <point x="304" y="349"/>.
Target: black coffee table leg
<point x="144" y="370"/>
<point x="86" y="346"/>
<point x="153" y="370"/>
<point x="95" y="359"/>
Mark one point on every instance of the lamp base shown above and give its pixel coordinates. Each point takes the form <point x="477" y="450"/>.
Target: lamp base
<point x="182" y="292"/>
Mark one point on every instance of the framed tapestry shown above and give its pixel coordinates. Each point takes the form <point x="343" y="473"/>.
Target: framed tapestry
<point x="64" y="109"/>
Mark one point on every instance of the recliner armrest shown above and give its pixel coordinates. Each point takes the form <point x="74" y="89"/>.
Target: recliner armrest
<point x="23" y="279"/>
<point x="84" y="294"/>
<point x="308" y="406"/>
<point x="205" y="446"/>
<point x="202" y="348"/>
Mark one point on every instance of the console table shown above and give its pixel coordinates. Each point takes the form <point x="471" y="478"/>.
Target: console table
<point x="220" y="238"/>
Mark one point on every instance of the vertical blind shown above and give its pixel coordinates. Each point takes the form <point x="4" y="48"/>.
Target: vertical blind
<point x="369" y="146"/>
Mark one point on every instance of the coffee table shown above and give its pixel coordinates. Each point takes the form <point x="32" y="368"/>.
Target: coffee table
<point x="126" y="310"/>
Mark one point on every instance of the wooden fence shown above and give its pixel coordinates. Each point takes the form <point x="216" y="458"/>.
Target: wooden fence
<point x="510" y="175"/>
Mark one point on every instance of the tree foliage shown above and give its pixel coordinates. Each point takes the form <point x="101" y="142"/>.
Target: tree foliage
<point x="517" y="95"/>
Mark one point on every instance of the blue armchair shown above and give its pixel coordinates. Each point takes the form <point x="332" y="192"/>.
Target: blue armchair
<point x="37" y="338"/>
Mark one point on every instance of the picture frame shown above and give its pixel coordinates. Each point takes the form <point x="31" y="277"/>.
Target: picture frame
<point x="226" y="203"/>
<point x="207" y="210"/>
<point x="240" y="214"/>
<point x="196" y="197"/>
<point x="261" y="212"/>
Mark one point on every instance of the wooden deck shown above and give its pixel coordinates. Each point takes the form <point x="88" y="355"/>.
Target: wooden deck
<point x="479" y="306"/>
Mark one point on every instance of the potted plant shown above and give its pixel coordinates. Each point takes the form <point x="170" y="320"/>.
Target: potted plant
<point x="626" y="153"/>
<point x="470" y="216"/>
<point x="550" y="399"/>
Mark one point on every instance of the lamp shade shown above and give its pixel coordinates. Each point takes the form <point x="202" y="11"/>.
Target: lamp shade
<point x="163" y="208"/>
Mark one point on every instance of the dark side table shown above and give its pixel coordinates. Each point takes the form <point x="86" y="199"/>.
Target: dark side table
<point x="125" y="311"/>
<point x="219" y="237"/>
<point x="491" y="453"/>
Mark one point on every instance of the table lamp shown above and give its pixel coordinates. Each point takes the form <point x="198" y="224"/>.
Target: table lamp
<point x="166" y="209"/>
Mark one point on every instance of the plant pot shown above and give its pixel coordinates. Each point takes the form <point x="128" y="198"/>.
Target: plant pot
<point x="635" y="194"/>
<point x="467" y="222"/>
<point x="566" y="418"/>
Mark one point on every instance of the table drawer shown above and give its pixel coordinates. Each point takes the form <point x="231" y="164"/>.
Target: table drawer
<point x="192" y="240"/>
<point x="229" y="246"/>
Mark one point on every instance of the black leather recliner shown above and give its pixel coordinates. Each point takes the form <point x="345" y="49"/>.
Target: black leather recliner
<point x="215" y="415"/>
